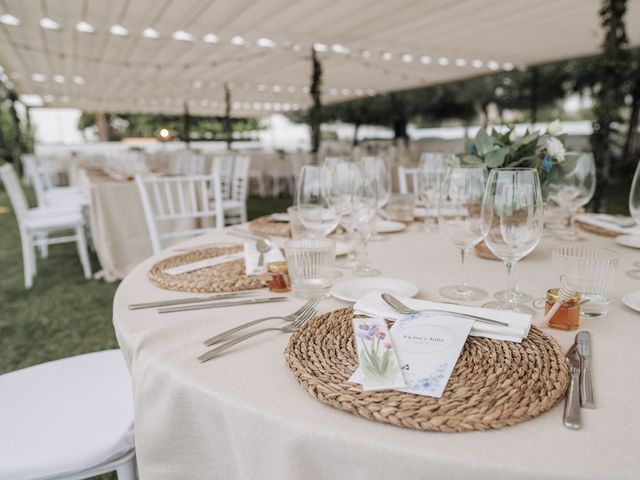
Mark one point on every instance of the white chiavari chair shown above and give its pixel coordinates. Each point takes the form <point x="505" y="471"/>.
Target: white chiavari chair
<point x="171" y="202"/>
<point x="235" y="207"/>
<point x="223" y="166"/>
<point x="43" y="226"/>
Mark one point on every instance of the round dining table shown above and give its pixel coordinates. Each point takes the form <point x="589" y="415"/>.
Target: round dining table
<point x="243" y="415"/>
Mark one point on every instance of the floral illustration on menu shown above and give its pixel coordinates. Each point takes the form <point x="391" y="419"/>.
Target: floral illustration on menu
<point x="377" y="357"/>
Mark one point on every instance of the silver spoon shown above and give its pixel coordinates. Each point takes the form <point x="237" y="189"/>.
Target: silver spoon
<point x="400" y="307"/>
<point x="263" y="246"/>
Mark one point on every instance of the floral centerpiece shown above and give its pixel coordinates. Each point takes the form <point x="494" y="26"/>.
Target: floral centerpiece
<point x="544" y="151"/>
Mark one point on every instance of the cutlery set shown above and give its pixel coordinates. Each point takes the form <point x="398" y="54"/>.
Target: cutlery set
<point x="224" y="341"/>
<point x="580" y="392"/>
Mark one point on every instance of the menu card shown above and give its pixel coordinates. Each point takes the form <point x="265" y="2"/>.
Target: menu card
<point x="427" y="346"/>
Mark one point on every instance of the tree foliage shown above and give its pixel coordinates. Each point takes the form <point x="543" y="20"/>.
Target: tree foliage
<point x="149" y="125"/>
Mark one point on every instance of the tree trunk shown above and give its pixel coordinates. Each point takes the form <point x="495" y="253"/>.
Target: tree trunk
<point x="315" y="113"/>
<point x="534" y="94"/>
<point x="103" y="127"/>
<point x="400" y="131"/>
<point x="355" y="134"/>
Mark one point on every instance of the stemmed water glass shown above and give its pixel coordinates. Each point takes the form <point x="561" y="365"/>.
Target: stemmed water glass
<point x="634" y="209"/>
<point x="315" y="210"/>
<point x="459" y="217"/>
<point x="377" y="169"/>
<point x="344" y="177"/>
<point x="512" y="222"/>
<point x="573" y="190"/>
<point x="430" y="173"/>
<point x="364" y="208"/>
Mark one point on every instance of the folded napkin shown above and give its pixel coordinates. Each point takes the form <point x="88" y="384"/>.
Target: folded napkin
<point x="607" y="222"/>
<point x="252" y="257"/>
<point x="519" y="323"/>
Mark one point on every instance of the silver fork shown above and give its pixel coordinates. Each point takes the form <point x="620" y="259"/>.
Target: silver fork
<point x="310" y="305"/>
<point x="298" y="323"/>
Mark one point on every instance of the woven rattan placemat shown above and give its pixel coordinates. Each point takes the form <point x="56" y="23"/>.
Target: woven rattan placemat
<point x="227" y="277"/>
<point x="493" y="385"/>
<point x="266" y="226"/>
<point x="596" y="230"/>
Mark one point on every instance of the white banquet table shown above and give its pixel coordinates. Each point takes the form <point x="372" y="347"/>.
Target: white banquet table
<point x="243" y="415"/>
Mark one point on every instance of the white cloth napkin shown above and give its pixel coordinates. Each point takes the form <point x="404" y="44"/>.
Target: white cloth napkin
<point x="519" y="323"/>
<point x="603" y="221"/>
<point x="252" y="256"/>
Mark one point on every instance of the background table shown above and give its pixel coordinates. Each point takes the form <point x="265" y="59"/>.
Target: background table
<point x="118" y="226"/>
<point x="243" y="415"/>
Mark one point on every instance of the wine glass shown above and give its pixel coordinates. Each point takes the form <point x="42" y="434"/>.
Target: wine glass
<point x="365" y="211"/>
<point x="377" y="169"/>
<point x="573" y="190"/>
<point x="634" y="209"/>
<point x="459" y="217"/>
<point x="314" y="190"/>
<point x="512" y="222"/>
<point x="430" y="173"/>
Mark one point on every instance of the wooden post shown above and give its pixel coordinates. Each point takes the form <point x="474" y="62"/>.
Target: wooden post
<point x="534" y="94"/>
<point x="315" y="113"/>
<point x="228" y="130"/>
<point x="186" y="132"/>
<point x="18" y="147"/>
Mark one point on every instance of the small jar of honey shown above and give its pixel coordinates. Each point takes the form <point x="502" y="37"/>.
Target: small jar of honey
<point x="568" y="315"/>
<point x="280" y="281"/>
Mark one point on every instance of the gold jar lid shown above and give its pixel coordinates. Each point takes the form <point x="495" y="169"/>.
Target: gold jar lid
<point x="552" y="296"/>
<point x="278" y="267"/>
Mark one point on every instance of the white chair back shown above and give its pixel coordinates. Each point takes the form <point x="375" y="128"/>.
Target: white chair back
<point x="14" y="190"/>
<point x="188" y="162"/>
<point x="406" y="177"/>
<point x="36" y="177"/>
<point x="167" y="201"/>
<point x="240" y="180"/>
<point x="223" y="166"/>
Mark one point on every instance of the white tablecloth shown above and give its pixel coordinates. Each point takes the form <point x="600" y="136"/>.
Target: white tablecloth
<point x="243" y="415"/>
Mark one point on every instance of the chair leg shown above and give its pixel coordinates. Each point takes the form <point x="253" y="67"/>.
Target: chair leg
<point x="44" y="246"/>
<point x="127" y="471"/>
<point x="27" y="261"/>
<point x="81" y="243"/>
<point x="243" y="214"/>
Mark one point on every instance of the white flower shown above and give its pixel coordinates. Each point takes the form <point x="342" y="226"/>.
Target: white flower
<point x="513" y="136"/>
<point x="554" y="128"/>
<point x="555" y="148"/>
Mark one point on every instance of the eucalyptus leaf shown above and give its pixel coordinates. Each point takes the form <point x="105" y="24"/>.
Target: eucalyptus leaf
<point x="483" y="142"/>
<point x="531" y="137"/>
<point x="570" y="162"/>
<point x="495" y="158"/>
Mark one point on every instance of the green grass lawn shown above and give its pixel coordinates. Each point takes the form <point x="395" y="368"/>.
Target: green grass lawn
<point x="62" y="314"/>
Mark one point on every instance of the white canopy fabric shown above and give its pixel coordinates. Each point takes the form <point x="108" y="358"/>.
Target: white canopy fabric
<point x="155" y="55"/>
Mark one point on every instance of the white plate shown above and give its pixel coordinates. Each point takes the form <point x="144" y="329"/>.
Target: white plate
<point x="280" y="217"/>
<point x="353" y="289"/>
<point x="632" y="241"/>
<point x="342" y="248"/>
<point x="632" y="300"/>
<point x="388" y="226"/>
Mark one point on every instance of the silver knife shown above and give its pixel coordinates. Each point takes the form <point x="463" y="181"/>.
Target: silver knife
<point x="571" y="418"/>
<point x="203" y="306"/>
<point x="184" y="301"/>
<point x="583" y="347"/>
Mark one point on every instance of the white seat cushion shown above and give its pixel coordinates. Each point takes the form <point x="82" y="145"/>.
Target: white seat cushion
<point x="65" y="196"/>
<point x="52" y="219"/>
<point x="65" y="416"/>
